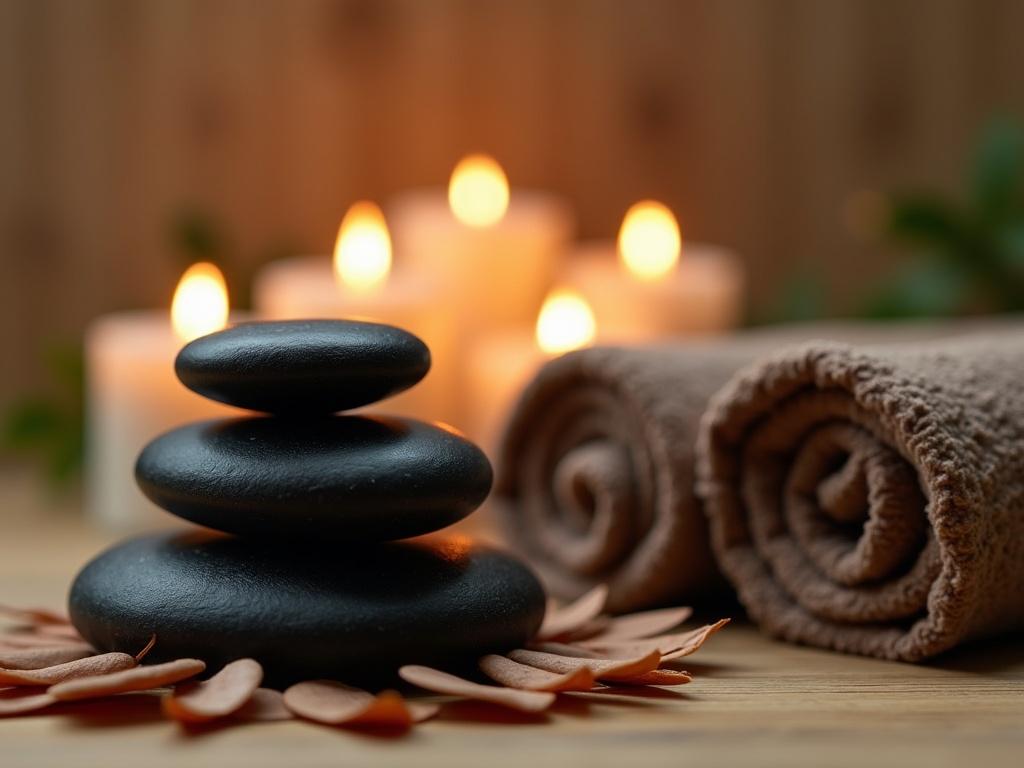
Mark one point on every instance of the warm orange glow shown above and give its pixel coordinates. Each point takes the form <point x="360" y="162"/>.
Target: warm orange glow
<point x="200" y="303"/>
<point x="565" y="322"/>
<point x="478" y="191"/>
<point x="649" y="242"/>
<point x="362" y="252"/>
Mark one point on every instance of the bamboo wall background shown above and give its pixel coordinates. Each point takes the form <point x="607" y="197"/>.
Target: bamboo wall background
<point x="756" y="120"/>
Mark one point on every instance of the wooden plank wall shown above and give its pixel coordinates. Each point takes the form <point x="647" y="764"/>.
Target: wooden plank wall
<point x="755" y="119"/>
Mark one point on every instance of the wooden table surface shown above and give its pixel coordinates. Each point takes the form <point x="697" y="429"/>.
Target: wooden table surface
<point x="753" y="702"/>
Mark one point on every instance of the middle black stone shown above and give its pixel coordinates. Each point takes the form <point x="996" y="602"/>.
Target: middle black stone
<point x="347" y="478"/>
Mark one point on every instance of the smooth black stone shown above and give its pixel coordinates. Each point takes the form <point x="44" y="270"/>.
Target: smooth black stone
<point x="303" y="366"/>
<point x="350" y="478"/>
<point x="306" y="613"/>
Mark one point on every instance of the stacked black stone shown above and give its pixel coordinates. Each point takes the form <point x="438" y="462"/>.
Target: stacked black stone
<point x="311" y="583"/>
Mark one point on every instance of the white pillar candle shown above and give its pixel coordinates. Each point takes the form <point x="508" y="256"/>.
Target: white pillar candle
<point x="133" y="395"/>
<point x="492" y="252"/>
<point x="359" y="284"/>
<point x="649" y="287"/>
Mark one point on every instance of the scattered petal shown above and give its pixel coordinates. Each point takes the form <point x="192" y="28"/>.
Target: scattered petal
<point x="87" y="667"/>
<point x="561" y="621"/>
<point x="35" y="640"/>
<point x="657" y="677"/>
<point x="565" y="649"/>
<point x="65" y="631"/>
<point x="442" y="682"/>
<point x="128" y="680"/>
<point x="20" y="704"/>
<point x="265" y="705"/>
<point x="512" y="674"/>
<point x="219" y="696"/>
<point x="333" y="703"/>
<point x="603" y="669"/>
<point x="34" y="615"/>
<point x="38" y="658"/>
<point x="670" y="646"/>
<point x="644" y="624"/>
<point x="422" y="710"/>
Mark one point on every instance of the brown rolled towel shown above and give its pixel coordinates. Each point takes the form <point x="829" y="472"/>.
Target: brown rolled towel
<point x="595" y="475"/>
<point x="595" y="472"/>
<point x="871" y="499"/>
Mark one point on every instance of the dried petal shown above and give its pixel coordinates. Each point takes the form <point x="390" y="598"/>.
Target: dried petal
<point x="422" y="710"/>
<point x="442" y="682"/>
<point x="333" y="703"/>
<point x="265" y="705"/>
<point x="35" y="640"/>
<point x="644" y="624"/>
<point x="670" y="646"/>
<point x="103" y="664"/>
<point x="561" y="621"/>
<point x="511" y="673"/>
<point x="20" y="704"/>
<point x="219" y="696"/>
<point x="39" y="658"/>
<point x="65" y="631"/>
<point x="34" y="615"/>
<point x="136" y="679"/>
<point x="603" y="669"/>
<point x="657" y="677"/>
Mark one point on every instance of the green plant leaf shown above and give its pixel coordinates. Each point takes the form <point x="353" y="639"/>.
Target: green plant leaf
<point x="922" y="288"/>
<point x="997" y="172"/>
<point x="925" y="220"/>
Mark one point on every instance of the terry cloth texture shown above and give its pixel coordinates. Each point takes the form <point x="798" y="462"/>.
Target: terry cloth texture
<point x="595" y="474"/>
<point x="870" y="499"/>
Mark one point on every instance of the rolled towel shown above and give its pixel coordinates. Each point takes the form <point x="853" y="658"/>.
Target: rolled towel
<point x="871" y="499"/>
<point x="595" y="474"/>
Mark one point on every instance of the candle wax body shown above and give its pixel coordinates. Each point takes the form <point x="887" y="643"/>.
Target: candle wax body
<point x="304" y="287"/>
<point x="494" y="276"/>
<point x="133" y="395"/>
<point x="702" y="295"/>
<point x="499" y="366"/>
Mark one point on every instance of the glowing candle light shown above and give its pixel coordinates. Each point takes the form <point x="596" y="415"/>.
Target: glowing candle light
<point x="649" y="241"/>
<point x="478" y="191"/>
<point x="200" y="304"/>
<point x="565" y="322"/>
<point x="362" y="251"/>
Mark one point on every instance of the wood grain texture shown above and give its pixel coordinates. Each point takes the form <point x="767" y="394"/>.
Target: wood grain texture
<point x="752" y="702"/>
<point x="755" y="120"/>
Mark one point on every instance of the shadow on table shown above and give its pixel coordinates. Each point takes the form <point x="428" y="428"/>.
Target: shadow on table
<point x="997" y="657"/>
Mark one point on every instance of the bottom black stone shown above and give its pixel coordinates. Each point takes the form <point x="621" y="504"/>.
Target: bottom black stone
<point x="350" y="615"/>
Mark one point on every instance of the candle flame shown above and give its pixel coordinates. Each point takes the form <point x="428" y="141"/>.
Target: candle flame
<point x="649" y="242"/>
<point x="478" y="191"/>
<point x="362" y="252"/>
<point x="200" y="304"/>
<point x="565" y="322"/>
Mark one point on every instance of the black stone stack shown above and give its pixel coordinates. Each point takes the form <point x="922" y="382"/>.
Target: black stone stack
<point x="311" y="584"/>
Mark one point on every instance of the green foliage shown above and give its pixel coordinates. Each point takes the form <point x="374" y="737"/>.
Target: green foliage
<point x="969" y="256"/>
<point x="50" y="427"/>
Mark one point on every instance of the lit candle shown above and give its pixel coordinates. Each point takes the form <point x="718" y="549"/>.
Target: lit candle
<point x="359" y="283"/>
<point x="134" y="395"/>
<point x="501" y="364"/>
<point x="492" y="249"/>
<point x="649" y="286"/>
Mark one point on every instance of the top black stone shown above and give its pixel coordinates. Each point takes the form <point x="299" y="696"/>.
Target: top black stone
<point x="303" y="366"/>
